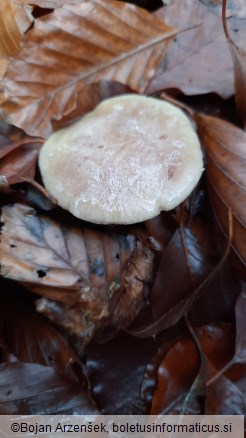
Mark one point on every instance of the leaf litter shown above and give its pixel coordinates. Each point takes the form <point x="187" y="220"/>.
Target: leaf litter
<point x="83" y="269"/>
<point x="96" y="283"/>
<point x="110" y="40"/>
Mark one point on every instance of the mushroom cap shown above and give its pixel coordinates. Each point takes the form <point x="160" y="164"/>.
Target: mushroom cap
<point x="124" y="162"/>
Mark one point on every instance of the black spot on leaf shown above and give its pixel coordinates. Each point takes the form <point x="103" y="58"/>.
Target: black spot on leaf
<point x="41" y="273"/>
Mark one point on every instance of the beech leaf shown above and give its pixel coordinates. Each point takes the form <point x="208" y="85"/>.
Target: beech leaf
<point x="28" y="389"/>
<point x="18" y="154"/>
<point x="189" y="264"/>
<point x="187" y="268"/>
<point x="226" y="172"/>
<point x="240" y="310"/>
<point x="47" y="4"/>
<point x="15" y="20"/>
<point x="115" y="390"/>
<point x="31" y="338"/>
<point x="239" y="61"/>
<point x="97" y="278"/>
<point x="175" y="381"/>
<point x="199" y="60"/>
<point x="223" y="396"/>
<point x="78" y="44"/>
<point x="87" y="99"/>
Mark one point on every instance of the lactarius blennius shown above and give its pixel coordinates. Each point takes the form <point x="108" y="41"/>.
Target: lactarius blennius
<point x="124" y="162"/>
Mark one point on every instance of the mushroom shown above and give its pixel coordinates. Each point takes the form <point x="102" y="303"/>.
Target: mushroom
<point x="124" y="162"/>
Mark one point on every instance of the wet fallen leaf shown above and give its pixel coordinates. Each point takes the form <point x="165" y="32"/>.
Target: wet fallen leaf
<point x="28" y="389"/>
<point x="31" y="338"/>
<point x="115" y="390"/>
<point x="225" y="162"/>
<point x="240" y="309"/>
<point x="218" y="299"/>
<point x="198" y="61"/>
<point x="223" y="397"/>
<point x="107" y="40"/>
<point x="185" y="264"/>
<point x="189" y="270"/>
<point x="175" y="381"/>
<point x="98" y="278"/>
<point x="240" y="342"/>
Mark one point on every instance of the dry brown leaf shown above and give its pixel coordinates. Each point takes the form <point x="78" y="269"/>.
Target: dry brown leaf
<point x="47" y="4"/>
<point x="15" y="19"/>
<point x="10" y="35"/>
<point x="226" y="171"/>
<point x="78" y="44"/>
<point x="199" y="60"/>
<point x="3" y="67"/>
<point x="23" y="15"/>
<point x="96" y="278"/>
<point x="239" y="61"/>
<point x="88" y="98"/>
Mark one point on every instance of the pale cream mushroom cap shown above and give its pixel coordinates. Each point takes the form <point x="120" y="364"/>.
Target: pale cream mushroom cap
<point x="124" y="162"/>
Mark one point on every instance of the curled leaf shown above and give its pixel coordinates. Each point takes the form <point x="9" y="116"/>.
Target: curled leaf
<point x="226" y="154"/>
<point x="14" y="20"/>
<point x="87" y="99"/>
<point x="38" y="196"/>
